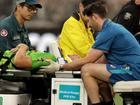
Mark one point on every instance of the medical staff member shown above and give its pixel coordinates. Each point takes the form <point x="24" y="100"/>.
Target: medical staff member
<point x="76" y="37"/>
<point x="12" y="28"/>
<point x="14" y="32"/>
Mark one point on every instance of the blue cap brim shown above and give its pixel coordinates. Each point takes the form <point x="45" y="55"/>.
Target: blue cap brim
<point x="37" y="5"/>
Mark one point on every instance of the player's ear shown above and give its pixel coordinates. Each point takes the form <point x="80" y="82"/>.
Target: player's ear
<point x="94" y="16"/>
<point x="18" y="5"/>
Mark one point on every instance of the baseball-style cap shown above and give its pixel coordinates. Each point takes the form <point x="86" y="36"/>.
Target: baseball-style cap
<point x="87" y="2"/>
<point x="30" y="2"/>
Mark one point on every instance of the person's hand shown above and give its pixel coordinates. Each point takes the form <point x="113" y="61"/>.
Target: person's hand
<point x="24" y="46"/>
<point x="53" y="67"/>
<point x="14" y="50"/>
<point x="74" y="57"/>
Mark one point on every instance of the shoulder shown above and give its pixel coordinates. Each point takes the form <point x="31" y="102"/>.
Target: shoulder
<point x="112" y="28"/>
<point x="117" y="29"/>
<point x="6" y="22"/>
<point x="73" y="23"/>
<point x="75" y="18"/>
<point x="71" y="20"/>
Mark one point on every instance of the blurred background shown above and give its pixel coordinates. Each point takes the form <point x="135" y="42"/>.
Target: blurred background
<point x="49" y="20"/>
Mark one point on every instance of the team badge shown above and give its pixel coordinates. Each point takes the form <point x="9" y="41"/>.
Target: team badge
<point x="127" y="16"/>
<point x="4" y="32"/>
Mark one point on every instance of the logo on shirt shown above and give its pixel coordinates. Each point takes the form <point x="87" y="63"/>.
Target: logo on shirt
<point x="113" y="66"/>
<point x="4" y="32"/>
<point x="127" y="16"/>
<point x="16" y="37"/>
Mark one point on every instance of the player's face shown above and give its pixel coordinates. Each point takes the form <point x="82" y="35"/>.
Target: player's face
<point x="81" y="8"/>
<point x="137" y="2"/>
<point x="93" y="23"/>
<point x="28" y="11"/>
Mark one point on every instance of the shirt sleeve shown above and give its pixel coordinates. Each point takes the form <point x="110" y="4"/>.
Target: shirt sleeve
<point x="5" y="34"/>
<point x="104" y="41"/>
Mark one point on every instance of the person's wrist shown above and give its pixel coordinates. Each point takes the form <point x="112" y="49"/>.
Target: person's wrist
<point x="61" y="67"/>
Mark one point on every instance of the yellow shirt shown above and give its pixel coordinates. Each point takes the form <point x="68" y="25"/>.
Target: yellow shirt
<point x="75" y="38"/>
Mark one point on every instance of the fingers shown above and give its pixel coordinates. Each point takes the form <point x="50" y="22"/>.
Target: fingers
<point x="46" y="71"/>
<point x="44" y="67"/>
<point x="14" y="50"/>
<point x="23" y="46"/>
<point x="42" y="70"/>
<point x="53" y="67"/>
<point x="51" y="61"/>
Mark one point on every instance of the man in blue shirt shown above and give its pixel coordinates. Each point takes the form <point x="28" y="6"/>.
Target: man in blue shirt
<point x="115" y="56"/>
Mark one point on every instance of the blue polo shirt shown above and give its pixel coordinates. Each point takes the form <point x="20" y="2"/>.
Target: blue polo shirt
<point x="12" y="34"/>
<point x="120" y="46"/>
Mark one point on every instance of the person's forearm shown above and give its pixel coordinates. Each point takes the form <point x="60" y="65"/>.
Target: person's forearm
<point x="21" y="60"/>
<point x="74" y="66"/>
<point x="21" y="53"/>
<point x="91" y="57"/>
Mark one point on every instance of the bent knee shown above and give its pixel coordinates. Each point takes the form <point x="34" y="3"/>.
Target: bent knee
<point x="85" y="70"/>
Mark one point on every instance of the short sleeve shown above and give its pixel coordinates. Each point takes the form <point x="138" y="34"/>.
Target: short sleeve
<point x="104" y="41"/>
